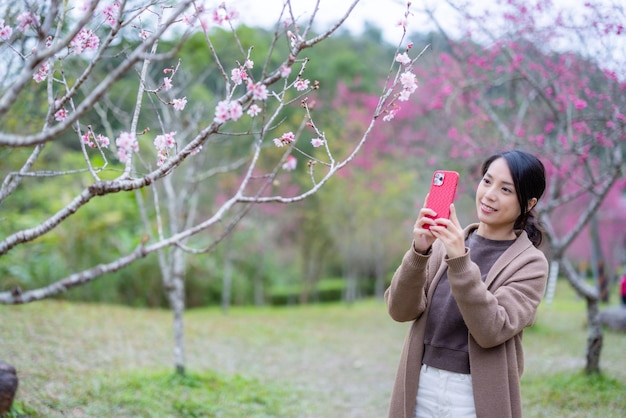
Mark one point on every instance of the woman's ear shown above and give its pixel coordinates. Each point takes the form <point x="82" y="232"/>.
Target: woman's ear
<point x="531" y="204"/>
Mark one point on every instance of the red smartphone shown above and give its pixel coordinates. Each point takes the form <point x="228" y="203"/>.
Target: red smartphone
<point x="442" y="191"/>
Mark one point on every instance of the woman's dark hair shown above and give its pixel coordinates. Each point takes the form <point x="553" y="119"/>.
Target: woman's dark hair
<point x="529" y="179"/>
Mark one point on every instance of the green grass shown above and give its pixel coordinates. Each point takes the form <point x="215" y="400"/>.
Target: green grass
<point x="327" y="360"/>
<point x="164" y="394"/>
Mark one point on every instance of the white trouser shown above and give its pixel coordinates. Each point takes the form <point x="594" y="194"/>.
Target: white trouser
<point x="444" y="394"/>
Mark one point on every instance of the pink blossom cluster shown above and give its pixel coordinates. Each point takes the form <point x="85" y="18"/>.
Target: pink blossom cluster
<point x="408" y="81"/>
<point x="5" y="31"/>
<point x="41" y="73"/>
<point x="232" y="110"/>
<point x="409" y="85"/>
<point x="227" y="110"/>
<point x="110" y="13"/>
<point x="217" y="16"/>
<point x="164" y="143"/>
<point x="91" y="141"/>
<point x="126" y="145"/>
<point x="239" y="75"/>
<point x="223" y="14"/>
<point x="85" y="40"/>
<point x="259" y="90"/>
<point x="286" y="139"/>
<point x="26" y="20"/>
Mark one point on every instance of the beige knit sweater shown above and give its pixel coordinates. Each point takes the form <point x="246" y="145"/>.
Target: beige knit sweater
<point x="495" y="313"/>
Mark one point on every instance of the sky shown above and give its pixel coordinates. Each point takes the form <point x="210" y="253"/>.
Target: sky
<point x="385" y="14"/>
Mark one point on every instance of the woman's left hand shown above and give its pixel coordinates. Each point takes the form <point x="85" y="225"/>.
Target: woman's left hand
<point x="450" y="233"/>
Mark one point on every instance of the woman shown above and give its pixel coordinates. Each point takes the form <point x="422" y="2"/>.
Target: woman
<point x="470" y="293"/>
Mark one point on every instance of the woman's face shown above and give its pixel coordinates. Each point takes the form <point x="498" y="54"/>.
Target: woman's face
<point x="496" y="202"/>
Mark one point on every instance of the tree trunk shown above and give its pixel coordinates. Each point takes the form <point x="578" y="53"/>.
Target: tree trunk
<point x="595" y="336"/>
<point x="597" y="259"/>
<point x="257" y="282"/>
<point x="176" y="295"/>
<point x="351" y="289"/>
<point x="552" y="279"/>
<point x="594" y="325"/>
<point x="227" y="279"/>
<point x="8" y="386"/>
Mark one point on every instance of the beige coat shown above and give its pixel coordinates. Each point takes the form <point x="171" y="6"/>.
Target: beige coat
<point x="495" y="313"/>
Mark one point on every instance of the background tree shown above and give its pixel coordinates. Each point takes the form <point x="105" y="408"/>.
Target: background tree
<point x="503" y="85"/>
<point x="513" y="76"/>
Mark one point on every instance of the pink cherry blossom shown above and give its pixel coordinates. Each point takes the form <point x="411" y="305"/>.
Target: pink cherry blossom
<point x="391" y="114"/>
<point x="167" y="83"/>
<point x="126" y="145"/>
<point x="86" y="139"/>
<point x="103" y="141"/>
<point x="26" y="20"/>
<point x="110" y="13"/>
<point x="161" y="158"/>
<point x="222" y="112"/>
<point x="317" y="142"/>
<point x="409" y="85"/>
<point x="302" y="84"/>
<point x="165" y="141"/>
<point x="253" y="110"/>
<point x="42" y="73"/>
<point x="85" y="40"/>
<point x="227" y="110"/>
<point x="235" y="111"/>
<point x="5" y="31"/>
<point x="408" y="81"/>
<point x="286" y="139"/>
<point x="403" y="58"/>
<point x="60" y="115"/>
<point x="290" y="164"/>
<point x="223" y="14"/>
<point x="179" y="104"/>
<point x="404" y="95"/>
<point x="259" y="91"/>
<point x="238" y="75"/>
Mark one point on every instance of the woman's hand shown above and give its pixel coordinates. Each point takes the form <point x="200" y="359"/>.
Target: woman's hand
<point x="450" y="233"/>
<point x="422" y="237"/>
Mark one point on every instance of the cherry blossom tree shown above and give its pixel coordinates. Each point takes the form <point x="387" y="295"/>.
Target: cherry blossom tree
<point x="535" y="76"/>
<point x="551" y="80"/>
<point x="70" y="58"/>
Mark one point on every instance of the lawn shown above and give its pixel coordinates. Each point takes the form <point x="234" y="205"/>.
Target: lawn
<point x="328" y="360"/>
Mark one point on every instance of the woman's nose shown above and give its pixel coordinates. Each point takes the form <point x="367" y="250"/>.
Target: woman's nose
<point x="489" y="194"/>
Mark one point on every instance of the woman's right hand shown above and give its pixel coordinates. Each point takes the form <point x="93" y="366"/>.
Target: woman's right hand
<point x="422" y="237"/>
